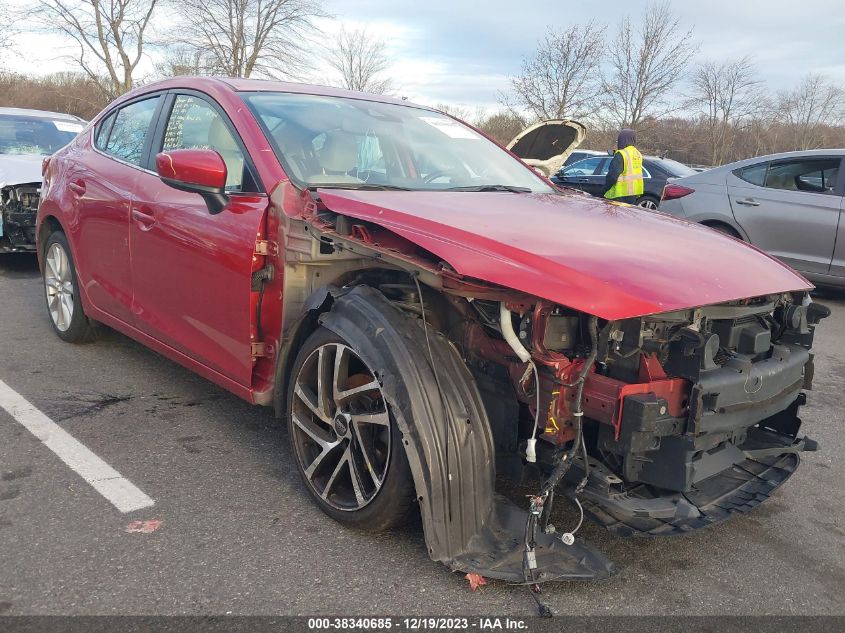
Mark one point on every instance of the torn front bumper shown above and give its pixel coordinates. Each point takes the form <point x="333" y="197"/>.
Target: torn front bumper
<point x="739" y="442"/>
<point x="737" y="490"/>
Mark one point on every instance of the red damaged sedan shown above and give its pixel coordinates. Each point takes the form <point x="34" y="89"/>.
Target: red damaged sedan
<point x="427" y="312"/>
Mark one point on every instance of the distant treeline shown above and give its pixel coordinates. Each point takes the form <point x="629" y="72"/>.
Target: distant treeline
<point x="685" y="139"/>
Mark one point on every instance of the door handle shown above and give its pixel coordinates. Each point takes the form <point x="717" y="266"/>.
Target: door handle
<point x="144" y="217"/>
<point x="77" y="186"/>
<point x="749" y="202"/>
<point x="583" y="180"/>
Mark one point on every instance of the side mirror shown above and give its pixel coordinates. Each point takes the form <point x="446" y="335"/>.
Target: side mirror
<point x="199" y="171"/>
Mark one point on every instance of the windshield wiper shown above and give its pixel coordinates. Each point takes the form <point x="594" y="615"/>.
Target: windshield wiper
<point x="508" y="188"/>
<point x="362" y="187"/>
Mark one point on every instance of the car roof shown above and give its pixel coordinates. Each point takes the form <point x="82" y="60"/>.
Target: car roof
<point x="665" y="163"/>
<point x="718" y="174"/>
<point x="38" y="114"/>
<point x="809" y="153"/>
<point x="267" y="85"/>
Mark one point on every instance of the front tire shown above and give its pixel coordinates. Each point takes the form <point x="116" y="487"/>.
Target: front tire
<point x="347" y="446"/>
<point x="61" y="288"/>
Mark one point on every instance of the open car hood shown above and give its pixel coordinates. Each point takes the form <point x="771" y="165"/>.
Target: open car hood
<point x="16" y="169"/>
<point x="611" y="260"/>
<point x="547" y="144"/>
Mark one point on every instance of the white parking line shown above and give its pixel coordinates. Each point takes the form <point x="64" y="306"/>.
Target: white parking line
<point x="121" y="492"/>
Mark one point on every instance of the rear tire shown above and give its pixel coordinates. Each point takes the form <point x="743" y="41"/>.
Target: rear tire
<point x="648" y="202"/>
<point x="347" y="447"/>
<point x="61" y="288"/>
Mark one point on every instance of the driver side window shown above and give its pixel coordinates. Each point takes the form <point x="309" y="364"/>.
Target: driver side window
<point x="195" y="124"/>
<point x="815" y="175"/>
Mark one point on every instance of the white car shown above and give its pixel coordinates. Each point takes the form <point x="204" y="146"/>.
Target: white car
<point x="790" y="205"/>
<point x="26" y="137"/>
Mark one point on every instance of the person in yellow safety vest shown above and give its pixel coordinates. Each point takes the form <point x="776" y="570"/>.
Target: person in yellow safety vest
<point x="624" y="180"/>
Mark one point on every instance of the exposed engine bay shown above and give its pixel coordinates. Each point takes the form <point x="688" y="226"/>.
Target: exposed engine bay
<point x="18" y="207"/>
<point x="687" y="417"/>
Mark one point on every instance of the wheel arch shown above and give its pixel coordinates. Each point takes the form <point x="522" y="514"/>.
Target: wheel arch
<point x="295" y="335"/>
<point x="446" y="434"/>
<point x="448" y="442"/>
<point x="300" y="325"/>
<point x="49" y="225"/>
<point x="363" y="311"/>
<point x="721" y="224"/>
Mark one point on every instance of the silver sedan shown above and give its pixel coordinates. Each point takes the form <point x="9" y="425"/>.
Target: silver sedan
<point x="789" y="205"/>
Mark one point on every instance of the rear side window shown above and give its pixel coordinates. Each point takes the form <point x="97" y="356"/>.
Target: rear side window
<point x="129" y="130"/>
<point x="755" y="174"/>
<point x="586" y="167"/>
<point x="815" y="175"/>
<point x="103" y="130"/>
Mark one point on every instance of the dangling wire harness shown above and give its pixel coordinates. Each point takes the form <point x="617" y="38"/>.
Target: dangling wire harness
<point x="540" y="506"/>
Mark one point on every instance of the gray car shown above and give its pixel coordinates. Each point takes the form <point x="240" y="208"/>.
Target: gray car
<point x="789" y="205"/>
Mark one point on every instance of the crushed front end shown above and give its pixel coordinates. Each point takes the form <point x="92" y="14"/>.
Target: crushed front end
<point x="655" y="422"/>
<point x="683" y="419"/>
<point x="18" y="207"/>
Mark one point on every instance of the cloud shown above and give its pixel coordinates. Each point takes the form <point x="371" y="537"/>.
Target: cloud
<point x="477" y="45"/>
<point x="461" y="52"/>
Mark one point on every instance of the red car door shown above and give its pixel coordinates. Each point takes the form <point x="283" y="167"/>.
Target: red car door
<point x="101" y="183"/>
<point x="192" y="270"/>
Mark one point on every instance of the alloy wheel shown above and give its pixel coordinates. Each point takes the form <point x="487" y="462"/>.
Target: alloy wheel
<point x="647" y="203"/>
<point x="58" y="283"/>
<point x="341" y="427"/>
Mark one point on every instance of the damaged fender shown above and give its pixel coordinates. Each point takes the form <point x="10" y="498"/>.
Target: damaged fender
<point x="449" y="444"/>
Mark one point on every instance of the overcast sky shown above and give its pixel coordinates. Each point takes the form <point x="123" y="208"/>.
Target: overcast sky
<point x="460" y="52"/>
<point x="465" y="49"/>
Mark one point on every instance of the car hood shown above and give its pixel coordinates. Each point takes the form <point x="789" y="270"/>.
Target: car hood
<point x="546" y="145"/>
<point x="16" y="169"/>
<point x="610" y="260"/>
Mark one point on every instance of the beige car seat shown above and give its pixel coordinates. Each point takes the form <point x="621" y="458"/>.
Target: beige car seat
<point x="338" y="157"/>
<point x="221" y="140"/>
<point x="780" y="181"/>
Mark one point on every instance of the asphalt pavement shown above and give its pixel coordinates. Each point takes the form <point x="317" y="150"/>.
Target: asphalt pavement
<point x="233" y="530"/>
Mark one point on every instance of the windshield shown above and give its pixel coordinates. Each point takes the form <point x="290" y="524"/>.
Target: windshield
<point x="22" y="134"/>
<point x="334" y="141"/>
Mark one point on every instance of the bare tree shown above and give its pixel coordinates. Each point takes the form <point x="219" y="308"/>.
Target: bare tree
<point x="502" y="126"/>
<point x="180" y="61"/>
<point x="360" y="62"/>
<point x="110" y="35"/>
<point x="242" y="38"/>
<point x="806" y="111"/>
<point x="458" y="111"/>
<point x="562" y="78"/>
<point x="645" y="64"/>
<point x="7" y="34"/>
<point x="727" y="94"/>
<point x="71" y="92"/>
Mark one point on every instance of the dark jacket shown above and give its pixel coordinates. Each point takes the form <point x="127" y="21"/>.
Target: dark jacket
<point x="617" y="166"/>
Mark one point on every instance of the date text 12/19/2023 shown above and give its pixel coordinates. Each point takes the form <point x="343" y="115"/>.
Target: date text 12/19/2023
<point x="417" y="623"/>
